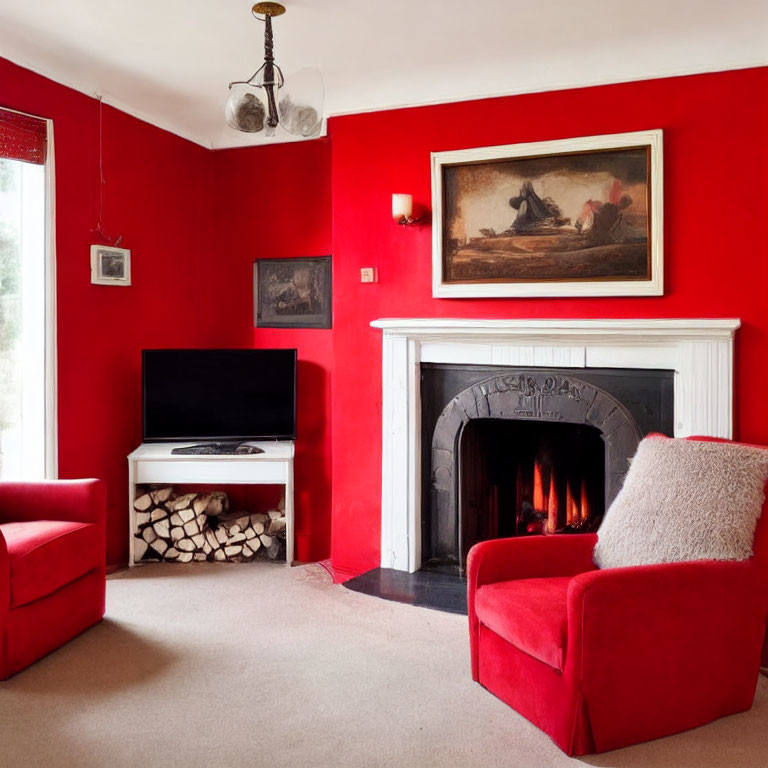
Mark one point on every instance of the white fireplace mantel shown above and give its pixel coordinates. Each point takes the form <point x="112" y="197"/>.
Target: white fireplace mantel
<point x="699" y="351"/>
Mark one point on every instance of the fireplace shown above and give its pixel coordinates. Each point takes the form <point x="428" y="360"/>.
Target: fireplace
<point x="506" y="393"/>
<point x="698" y="353"/>
<point x="511" y="451"/>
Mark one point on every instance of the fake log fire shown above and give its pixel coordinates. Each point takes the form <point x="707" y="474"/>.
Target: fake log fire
<point x="543" y="514"/>
<point x="529" y="478"/>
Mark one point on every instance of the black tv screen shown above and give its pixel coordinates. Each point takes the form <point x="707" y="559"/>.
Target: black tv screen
<point x="219" y="394"/>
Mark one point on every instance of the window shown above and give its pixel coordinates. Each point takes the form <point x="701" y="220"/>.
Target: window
<point x="27" y="437"/>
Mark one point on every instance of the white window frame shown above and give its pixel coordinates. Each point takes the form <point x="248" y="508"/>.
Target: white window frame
<point x="50" y="374"/>
<point x="51" y="351"/>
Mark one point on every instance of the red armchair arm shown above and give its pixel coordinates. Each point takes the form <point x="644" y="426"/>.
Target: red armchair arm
<point x="525" y="557"/>
<point x="79" y="501"/>
<point x="5" y="603"/>
<point x="528" y="557"/>
<point x="5" y="588"/>
<point x="654" y="646"/>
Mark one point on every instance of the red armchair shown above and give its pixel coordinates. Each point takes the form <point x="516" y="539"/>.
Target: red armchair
<point x="601" y="659"/>
<point x="52" y="566"/>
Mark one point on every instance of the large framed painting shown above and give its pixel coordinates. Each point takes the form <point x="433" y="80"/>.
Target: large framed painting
<point x="575" y="217"/>
<point x="292" y="292"/>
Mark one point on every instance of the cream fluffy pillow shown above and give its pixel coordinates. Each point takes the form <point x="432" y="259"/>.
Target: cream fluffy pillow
<point x="684" y="500"/>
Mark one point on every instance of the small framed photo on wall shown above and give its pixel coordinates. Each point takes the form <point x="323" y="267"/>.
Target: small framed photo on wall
<point x="292" y="292"/>
<point x="110" y="266"/>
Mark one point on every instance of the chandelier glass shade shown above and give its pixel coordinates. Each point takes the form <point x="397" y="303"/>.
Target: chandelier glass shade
<point x="265" y="100"/>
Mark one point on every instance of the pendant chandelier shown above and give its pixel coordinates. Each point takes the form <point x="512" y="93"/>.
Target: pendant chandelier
<point x="265" y="100"/>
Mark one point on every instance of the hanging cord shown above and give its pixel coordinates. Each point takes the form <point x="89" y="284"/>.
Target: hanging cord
<point x="115" y="242"/>
<point x="269" y="73"/>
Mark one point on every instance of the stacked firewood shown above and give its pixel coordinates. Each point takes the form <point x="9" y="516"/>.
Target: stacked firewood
<point x="200" y="526"/>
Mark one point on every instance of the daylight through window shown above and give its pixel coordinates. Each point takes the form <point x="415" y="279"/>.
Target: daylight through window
<point x="22" y="296"/>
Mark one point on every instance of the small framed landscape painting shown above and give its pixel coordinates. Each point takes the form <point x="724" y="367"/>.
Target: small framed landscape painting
<point x="292" y="293"/>
<point x="110" y="266"/>
<point x="574" y="217"/>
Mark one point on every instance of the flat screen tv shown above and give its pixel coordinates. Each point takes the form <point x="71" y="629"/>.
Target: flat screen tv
<point x="219" y="394"/>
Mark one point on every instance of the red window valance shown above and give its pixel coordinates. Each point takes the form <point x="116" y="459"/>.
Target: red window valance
<point x="22" y="137"/>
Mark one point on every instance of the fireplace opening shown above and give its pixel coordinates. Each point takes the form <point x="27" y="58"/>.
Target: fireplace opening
<point x="524" y="478"/>
<point x="511" y="451"/>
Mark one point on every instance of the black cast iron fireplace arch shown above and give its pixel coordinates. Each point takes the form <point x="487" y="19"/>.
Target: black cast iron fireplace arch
<point x="528" y="396"/>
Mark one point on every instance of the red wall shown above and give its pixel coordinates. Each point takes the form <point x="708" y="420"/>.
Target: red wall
<point x="716" y="253"/>
<point x="156" y="197"/>
<point x="275" y="202"/>
<point x="195" y="220"/>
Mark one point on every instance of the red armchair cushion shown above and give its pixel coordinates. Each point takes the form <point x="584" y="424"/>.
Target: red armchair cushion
<point x="44" y="555"/>
<point x="531" y="614"/>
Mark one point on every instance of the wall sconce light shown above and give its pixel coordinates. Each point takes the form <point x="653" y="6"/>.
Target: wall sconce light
<point x="402" y="210"/>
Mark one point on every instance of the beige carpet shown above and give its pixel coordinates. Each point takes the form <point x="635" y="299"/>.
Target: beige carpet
<point x="259" y="665"/>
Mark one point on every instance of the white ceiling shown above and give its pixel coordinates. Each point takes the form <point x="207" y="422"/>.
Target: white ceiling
<point x="169" y="62"/>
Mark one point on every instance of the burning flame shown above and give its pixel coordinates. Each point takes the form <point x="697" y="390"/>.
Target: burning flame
<point x="584" y="501"/>
<point x="552" y="506"/>
<point x="539" y="504"/>
<point x="572" y="513"/>
<point x="574" y="502"/>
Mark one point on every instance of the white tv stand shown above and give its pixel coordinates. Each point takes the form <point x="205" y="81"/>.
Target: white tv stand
<point x="153" y="463"/>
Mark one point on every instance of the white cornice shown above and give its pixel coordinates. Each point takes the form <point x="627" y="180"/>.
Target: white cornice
<point x="713" y="328"/>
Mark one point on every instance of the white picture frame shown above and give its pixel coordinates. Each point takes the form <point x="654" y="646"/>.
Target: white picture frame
<point x="110" y="265"/>
<point x="446" y="285"/>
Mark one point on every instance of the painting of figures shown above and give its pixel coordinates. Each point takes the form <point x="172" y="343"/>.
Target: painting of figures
<point x="293" y="292"/>
<point x="535" y="222"/>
